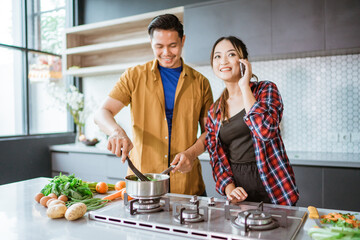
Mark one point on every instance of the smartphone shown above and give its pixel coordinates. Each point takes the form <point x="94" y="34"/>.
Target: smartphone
<point x="242" y="69"/>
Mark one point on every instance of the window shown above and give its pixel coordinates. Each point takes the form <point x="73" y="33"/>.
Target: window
<point x="31" y="41"/>
<point x="11" y="92"/>
<point x="46" y="23"/>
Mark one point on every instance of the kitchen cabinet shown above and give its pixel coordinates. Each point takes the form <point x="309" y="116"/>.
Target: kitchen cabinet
<point x="208" y="178"/>
<point x="89" y="166"/>
<point x="111" y="46"/>
<point x="328" y="187"/>
<point x="310" y="184"/>
<point x="341" y="186"/>
<point x="249" y="20"/>
<point x="297" y="26"/>
<point x="273" y="29"/>
<point x="342" y="24"/>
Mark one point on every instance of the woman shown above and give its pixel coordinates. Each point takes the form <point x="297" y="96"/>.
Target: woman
<point x="243" y="138"/>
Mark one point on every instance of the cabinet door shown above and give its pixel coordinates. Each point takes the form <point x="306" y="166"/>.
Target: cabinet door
<point x="342" y="24"/>
<point x="208" y="179"/>
<point x="116" y="170"/>
<point x="250" y="20"/>
<point x="309" y="182"/>
<point x="88" y="167"/>
<point x="341" y="188"/>
<point x="297" y="26"/>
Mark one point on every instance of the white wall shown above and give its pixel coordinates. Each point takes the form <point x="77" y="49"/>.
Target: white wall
<point x="321" y="98"/>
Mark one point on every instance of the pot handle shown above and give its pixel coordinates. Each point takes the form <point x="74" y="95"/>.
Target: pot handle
<point x="166" y="171"/>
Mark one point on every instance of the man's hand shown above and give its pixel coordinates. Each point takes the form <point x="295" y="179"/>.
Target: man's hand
<point x="120" y="145"/>
<point x="184" y="162"/>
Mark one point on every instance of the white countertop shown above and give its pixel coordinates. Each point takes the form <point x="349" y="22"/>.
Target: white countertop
<point x="322" y="159"/>
<point x="21" y="217"/>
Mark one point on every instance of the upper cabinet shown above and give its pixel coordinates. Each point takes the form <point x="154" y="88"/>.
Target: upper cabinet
<point x="342" y="24"/>
<point x="111" y="46"/>
<point x="205" y="23"/>
<point x="297" y="26"/>
<point x="273" y="28"/>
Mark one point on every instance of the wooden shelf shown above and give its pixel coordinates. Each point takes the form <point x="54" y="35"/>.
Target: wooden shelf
<point x="111" y="46"/>
<point x="100" y="70"/>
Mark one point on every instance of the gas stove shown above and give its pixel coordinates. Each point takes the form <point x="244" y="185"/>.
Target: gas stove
<point x="204" y="217"/>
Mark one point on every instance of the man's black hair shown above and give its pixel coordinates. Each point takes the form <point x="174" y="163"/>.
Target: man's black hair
<point x="166" y="22"/>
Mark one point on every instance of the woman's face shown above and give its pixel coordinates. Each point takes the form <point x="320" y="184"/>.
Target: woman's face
<point x="226" y="65"/>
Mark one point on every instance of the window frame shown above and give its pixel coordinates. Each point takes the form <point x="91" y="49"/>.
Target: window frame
<point x="71" y="7"/>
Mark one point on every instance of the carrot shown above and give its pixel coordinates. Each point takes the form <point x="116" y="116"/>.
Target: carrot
<point x="114" y="196"/>
<point x="123" y="195"/>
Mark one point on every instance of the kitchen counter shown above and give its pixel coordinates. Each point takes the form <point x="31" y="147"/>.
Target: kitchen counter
<point x="322" y="159"/>
<point x="21" y="217"/>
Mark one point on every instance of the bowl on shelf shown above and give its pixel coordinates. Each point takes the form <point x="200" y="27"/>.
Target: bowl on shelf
<point x="90" y="142"/>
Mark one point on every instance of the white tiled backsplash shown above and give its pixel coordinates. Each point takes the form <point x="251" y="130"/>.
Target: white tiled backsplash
<point x="321" y="98"/>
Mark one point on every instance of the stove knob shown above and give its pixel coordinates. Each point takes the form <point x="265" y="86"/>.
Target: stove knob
<point x="211" y="201"/>
<point x="194" y="199"/>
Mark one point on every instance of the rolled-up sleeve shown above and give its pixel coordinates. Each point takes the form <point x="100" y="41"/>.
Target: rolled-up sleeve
<point x="264" y="116"/>
<point x="123" y="89"/>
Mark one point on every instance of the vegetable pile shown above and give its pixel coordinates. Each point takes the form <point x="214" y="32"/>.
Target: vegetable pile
<point x="341" y="220"/>
<point x="57" y="208"/>
<point x="76" y="196"/>
<point x="70" y="186"/>
<point x="341" y="226"/>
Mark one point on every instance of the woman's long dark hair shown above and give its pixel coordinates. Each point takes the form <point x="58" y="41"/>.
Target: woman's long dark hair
<point x="242" y="52"/>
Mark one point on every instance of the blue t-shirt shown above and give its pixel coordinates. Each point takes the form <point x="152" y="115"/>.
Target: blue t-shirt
<point x="169" y="78"/>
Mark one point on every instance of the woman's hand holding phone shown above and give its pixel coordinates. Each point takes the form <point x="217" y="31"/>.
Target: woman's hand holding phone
<point x="245" y="72"/>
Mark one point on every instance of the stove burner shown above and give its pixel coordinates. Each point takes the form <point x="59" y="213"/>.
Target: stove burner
<point x="184" y="220"/>
<point x="148" y="205"/>
<point x="255" y="225"/>
<point x="143" y="206"/>
<point x="190" y="214"/>
<point x="255" y="219"/>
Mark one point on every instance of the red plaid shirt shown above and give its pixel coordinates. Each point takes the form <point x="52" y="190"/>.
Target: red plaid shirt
<point x="273" y="165"/>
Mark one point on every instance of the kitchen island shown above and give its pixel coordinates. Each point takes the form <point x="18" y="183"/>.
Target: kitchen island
<point x="321" y="159"/>
<point x="21" y="217"/>
<point x="316" y="173"/>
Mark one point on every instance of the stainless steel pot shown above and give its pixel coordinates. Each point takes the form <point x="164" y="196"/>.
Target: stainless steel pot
<point x="147" y="189"/>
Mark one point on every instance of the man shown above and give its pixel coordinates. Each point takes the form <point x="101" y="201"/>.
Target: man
<point x="168" y="100"/>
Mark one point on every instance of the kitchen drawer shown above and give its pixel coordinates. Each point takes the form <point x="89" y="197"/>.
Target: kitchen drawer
<point x="62" y="162"/>
<point x="309" y="181"/>
<point x="91" y="164"/>
<point x="84" y="176"/>
<point x="208" y="179"/>
<point x="115" y="168"/>
<point x="340" y="191"/>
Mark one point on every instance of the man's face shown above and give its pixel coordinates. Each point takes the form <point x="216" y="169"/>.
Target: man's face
<point x="167" y="47"/>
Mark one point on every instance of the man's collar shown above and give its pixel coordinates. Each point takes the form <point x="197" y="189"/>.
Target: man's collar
<point x="156" y="62"/>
